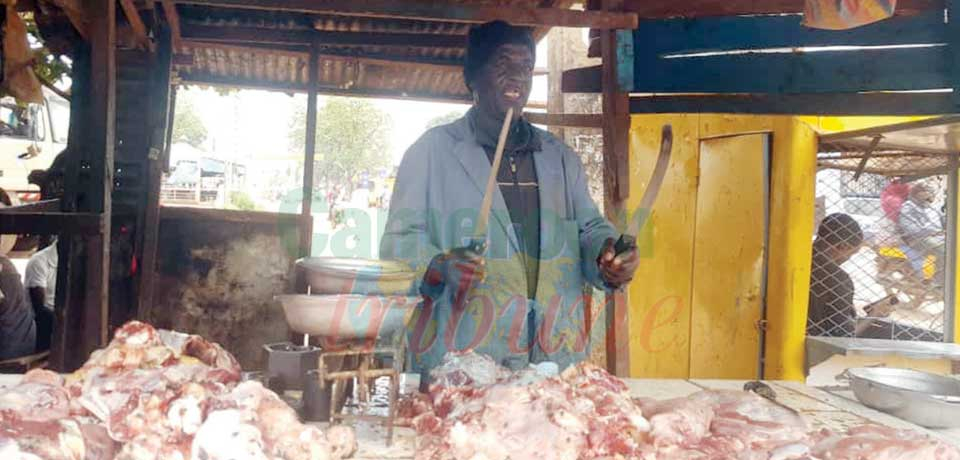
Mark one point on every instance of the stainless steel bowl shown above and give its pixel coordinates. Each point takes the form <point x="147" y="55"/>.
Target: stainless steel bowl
<point x="335" y="275"/>
<point x="928" y="400"/>
<point x="347" y="316"/>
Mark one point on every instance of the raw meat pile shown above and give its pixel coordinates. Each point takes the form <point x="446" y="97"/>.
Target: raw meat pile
<point x="477" y="410"/>
<point x="157" y="395"/>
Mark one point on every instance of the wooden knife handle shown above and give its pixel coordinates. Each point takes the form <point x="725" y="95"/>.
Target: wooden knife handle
<point x="625" y="244"/>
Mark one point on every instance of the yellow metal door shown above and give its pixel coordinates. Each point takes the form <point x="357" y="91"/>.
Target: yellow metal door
<point x="729" y="256"/>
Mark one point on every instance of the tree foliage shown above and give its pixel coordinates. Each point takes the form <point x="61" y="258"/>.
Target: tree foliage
<point x="444" y="119"/>
<point x="187" y="125"/>
<point x="48" y="67"/>
<point x="353" y="135"/>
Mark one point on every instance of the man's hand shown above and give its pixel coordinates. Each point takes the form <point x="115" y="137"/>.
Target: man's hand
<point x="460" y="266"/>
<point x="617" y="270"/>
<point x="882" y="308"/>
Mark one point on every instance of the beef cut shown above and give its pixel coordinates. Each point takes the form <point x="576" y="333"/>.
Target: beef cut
<point x="477" y="410"/>
<point x="157" y="395"/>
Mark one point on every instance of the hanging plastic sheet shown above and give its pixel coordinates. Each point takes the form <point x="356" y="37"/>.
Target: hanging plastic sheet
<point x="846" y="14"/>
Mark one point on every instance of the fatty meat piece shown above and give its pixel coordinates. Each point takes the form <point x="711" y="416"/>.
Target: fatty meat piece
<point x="157" y="395"/>
<point x="587" y="413"/>
<point x="60" y="440"/>
<point x="138" y="345"/>
<point x="39" y="397"/>
<point x="876" y="442"/>
<point x="10" y="450"/>
<point x="283" y="436"/>
<point x="467" y="368"/>
<point x="225" y="435"/>
<point x="584" y="413"/>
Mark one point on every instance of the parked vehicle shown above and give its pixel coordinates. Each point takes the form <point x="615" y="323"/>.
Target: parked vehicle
<point x="196" y="179"/>
<point x="31" y="136"/>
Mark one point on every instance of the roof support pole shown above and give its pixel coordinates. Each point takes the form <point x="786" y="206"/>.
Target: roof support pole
<point x="84" y="271"/>
<point x="162" y="108"/>
<point x="309" y="154"/>
<point x="616" y="187"/>
<point x="950" y="260"/>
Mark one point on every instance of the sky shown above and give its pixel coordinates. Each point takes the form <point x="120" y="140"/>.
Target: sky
<point x="254" y="124"/>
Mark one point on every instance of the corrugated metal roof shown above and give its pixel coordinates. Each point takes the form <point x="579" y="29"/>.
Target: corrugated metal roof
<point x="218" y="65"/>
<point x="375" y="70"/>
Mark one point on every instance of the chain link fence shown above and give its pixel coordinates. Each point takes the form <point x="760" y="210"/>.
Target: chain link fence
<point x="896" y="274"/>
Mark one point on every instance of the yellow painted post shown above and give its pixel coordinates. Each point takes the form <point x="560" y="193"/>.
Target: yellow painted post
<point x="956" y="281"/>
<point x="793" y="179"/>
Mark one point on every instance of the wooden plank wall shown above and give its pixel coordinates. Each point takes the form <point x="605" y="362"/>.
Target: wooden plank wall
<point x="683" y="55"/>
<point x="135" y="121"/>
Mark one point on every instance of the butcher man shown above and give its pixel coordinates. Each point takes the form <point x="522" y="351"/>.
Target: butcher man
<point x="521" y="299"/>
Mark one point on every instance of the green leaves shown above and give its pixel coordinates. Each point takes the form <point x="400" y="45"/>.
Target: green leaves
<point x="353" y="135"/>
<point x="187" y="125"/>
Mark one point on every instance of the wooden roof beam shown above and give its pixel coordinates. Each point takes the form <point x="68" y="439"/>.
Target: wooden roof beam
<point x="438" y="11"/>
<point x="75" y="13"/>
<point x="136" y="23"/>
<point x="173" y="19"/>
<point x="246" y="83"/>
<point x="306" y="37"/>
<point x="650" y="9"/>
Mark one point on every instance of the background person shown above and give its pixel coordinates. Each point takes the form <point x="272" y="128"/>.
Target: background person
<point x="831" y="311"/>
<point x="17" y="327"/>
<point x="921" y="228"/>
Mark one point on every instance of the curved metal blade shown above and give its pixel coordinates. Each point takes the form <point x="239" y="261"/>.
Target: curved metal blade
<point x="656" y="182"/>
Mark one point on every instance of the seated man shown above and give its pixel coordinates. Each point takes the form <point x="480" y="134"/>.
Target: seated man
<point x="921" y="227"/>
<point x="40" y="280"/>
<point x="831" y="311"/>
<point x="17" y="327"/>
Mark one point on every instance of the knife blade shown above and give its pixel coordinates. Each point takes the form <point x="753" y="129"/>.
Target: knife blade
<point x="628" y="240"/>
<point x="478" y="243"/>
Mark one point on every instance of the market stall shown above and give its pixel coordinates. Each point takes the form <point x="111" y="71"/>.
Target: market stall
<point x="699" y="311"/>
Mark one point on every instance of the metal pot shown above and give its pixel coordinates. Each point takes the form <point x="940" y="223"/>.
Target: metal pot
<point x="928" y="400"/>
<point x="348" y="317"/>
<point x="334" y="275"/>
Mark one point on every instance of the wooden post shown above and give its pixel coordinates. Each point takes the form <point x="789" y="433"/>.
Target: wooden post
<point x="64" y="337"/>
<point x="616" y="127"/>
<point x="555" y="100"/>
<point x="161" y="110"/>
<point x="102" y="139"/>
<point x="84" y="272"/>
<point x="309" y="155"/>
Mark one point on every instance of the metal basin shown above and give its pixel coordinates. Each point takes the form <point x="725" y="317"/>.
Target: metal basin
<point x="334" y="275"/>
<point x="347" y="316"/>
<point x="928" y="400"/>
